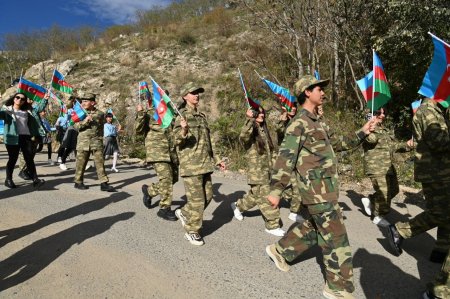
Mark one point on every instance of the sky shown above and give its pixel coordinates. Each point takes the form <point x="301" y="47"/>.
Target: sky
<point x="29" y="15"/>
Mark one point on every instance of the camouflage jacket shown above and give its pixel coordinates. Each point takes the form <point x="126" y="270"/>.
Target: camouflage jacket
<point x="159" y="144"/>
<point x="378" y="151"/>
<point x="195" y="151"/>
<point x="431" y="134"/>
<point x="258" y="164"/>
<point x="308" y="148"/>
<point x="90" y="134"/>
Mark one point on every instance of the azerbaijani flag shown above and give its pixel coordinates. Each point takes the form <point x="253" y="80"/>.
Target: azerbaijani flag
<point x="436" y="83"/>
<point x="374" y="86"/>
<point x="252" y="103"/>
<point x="31" y="90"/>
<point x="78" y="113"/>
<point x="316" y="74"/>
<point x="143" y="88"/>
<point x="283" y="94"/>
<point x="161" y="103"/>
<point x="415" y="105"/>
<point x="60" y="84"/>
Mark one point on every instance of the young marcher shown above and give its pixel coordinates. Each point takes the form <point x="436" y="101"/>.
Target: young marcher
<point x="90" y="141"/>
<point x="309" y="148"/>
<point x="20" y="129"/>
<point x="197" y="161"/>
<point x="378" y="166"/>
<point x="257" y="141"/>
<point x="111" y="146"/>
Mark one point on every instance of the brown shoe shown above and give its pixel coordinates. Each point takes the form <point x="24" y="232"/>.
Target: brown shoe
<point x="277" y="258"/>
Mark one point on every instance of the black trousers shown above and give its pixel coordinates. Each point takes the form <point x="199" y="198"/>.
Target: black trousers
<point x="27" y="147"/>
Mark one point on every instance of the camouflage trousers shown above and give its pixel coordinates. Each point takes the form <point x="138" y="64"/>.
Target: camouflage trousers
<point x="324" y="227"/>
<point x="199" y="194"/>
<point x="167" y="173"/>
<point x="293" y="194"/>
<point x="386" y="188"/>
<point x="440" y="287"/>
<point x="257" y="196"/>
<point x="82" y="160"/>
<point x="436" y="214"/>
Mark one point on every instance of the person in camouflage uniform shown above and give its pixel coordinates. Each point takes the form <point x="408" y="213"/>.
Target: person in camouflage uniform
<point x="292" y="191"/>
<point x="432" y="169"/>
<point x="440" y="287"/>
<point x="90" y="141"/>
<point x="160" y="152"/>
<point x="197" y="160"/>
<point x="378" y="166"/>
<point x="308" y="148"/>
<point x="255" y="138"/>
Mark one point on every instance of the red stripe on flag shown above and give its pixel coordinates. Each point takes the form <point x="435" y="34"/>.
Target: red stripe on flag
<point x="379" y="74"/>
<point x="443" y="89"/>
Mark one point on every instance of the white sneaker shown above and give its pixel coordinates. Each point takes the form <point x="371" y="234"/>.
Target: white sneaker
<point x="181" y="217"/>
<point x="367" y="205"/>
<point x="194" y="239"/>
<point x="276" y="232"/>
<point x="237" y="214"/>
<point x="114" y="169"/>
<point x="50" y="162"/>
<point x="107" y="157"/>
<point x="63" y="166"/>
<point x="296" y="217"/>
<point x="88" y="166"/>
<point x="380" y="221"/>
<point x="59" y="160"/>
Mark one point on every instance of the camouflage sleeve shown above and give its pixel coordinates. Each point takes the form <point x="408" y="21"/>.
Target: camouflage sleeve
<point x="343" y="143"/>
<point x="287" y="157"/>
<point x="372" y="138"/>
<point x="435" y="131"/>
<point x="246" y="133"/>
<point x="177" y="132"/>
<point x="142" y="123"/>
<point x="40" y="106"/>
<point x="280" y="126"/>
<point x="82" y="125"/>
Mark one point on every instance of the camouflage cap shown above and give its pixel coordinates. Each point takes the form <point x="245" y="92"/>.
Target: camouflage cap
<point x="306" y="82"/>
<point x="86" y="96"/>
<point x="190" y="88"/>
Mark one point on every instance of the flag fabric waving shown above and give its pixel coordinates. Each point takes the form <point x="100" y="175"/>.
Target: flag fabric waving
<point x="162" y="104"/>
<point x="60" y="84"/>
<point x="436" y="83"/>
<point x="415" y="105"/>
<point x="78" y="113"/>
<point x="283" y="94"/>
<point x="374" y="86"/>
<point x="316" y="74"/>
<point x="31" y="90"/>
<point x="251" y="103"/>
<point x="143" y="88"/>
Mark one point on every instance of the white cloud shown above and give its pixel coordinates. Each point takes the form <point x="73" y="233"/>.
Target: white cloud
<point x="119" y="11"/>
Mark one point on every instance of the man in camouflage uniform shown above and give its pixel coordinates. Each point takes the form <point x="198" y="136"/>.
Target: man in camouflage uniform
<point x="257" y="142"/>
<point x="90" y="141"/>
<point x="292" y="191"/>
<point x="161" y="153"/>
<point x="378" y="154"/>
<point x="440" y="287"/>
<point x="431" y="168"/>
<point x="308" y="148"/>
<point x="197" y="160"/>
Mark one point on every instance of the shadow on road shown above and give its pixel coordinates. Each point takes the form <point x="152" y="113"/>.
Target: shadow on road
<point x="13" y="234"/>
<point x="31" y="260"/>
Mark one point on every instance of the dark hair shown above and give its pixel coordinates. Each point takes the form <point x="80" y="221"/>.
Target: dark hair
<point x="25" y="106"/>
<point x="109" y="115"/>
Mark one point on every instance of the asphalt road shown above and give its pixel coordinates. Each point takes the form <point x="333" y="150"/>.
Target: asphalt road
<point x="61" y="242"/>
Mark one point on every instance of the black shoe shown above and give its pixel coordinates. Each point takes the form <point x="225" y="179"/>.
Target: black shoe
<point x="81" y="186"/>
<point x="147" y="199"/>
<point x="429" y="295"/>
<point x="10" y="184"/>
<point x="107" y="188"/>
<point x="395" y="239"/>
<point x="37" y="183"/>
<point x="24" y="175"/>
<point x="438" y="257"/>
<point x="167" y="214"/>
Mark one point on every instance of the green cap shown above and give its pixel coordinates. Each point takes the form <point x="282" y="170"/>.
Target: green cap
<point x="306" y="82"/>
<point x="190" y="88"/>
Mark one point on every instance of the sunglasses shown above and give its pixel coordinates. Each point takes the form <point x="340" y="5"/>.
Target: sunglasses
<point x="20" y="98"/>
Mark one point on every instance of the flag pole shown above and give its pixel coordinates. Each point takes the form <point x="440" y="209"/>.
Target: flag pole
<point x="438" y="39"/>
<point x="373" y="80"/>
<point x="245" y="90"/>
<point x="170" y="101"/>
<point x="260" y="77"/>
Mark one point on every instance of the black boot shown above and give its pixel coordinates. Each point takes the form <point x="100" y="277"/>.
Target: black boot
<point x="10" y="184"/>
<point x="24" y="175"/>
<point x="81" y="186"/>
<point x="37" y="183"/>
<point x="167" y="214"/>
<point x="147" y="199"/>
<point x="438" y="256"/>
<point x="107" y="188"/>
<point x="395" y="239"/>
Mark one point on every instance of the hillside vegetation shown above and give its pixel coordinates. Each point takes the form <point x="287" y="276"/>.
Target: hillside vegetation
<point x="206" y="41"/>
